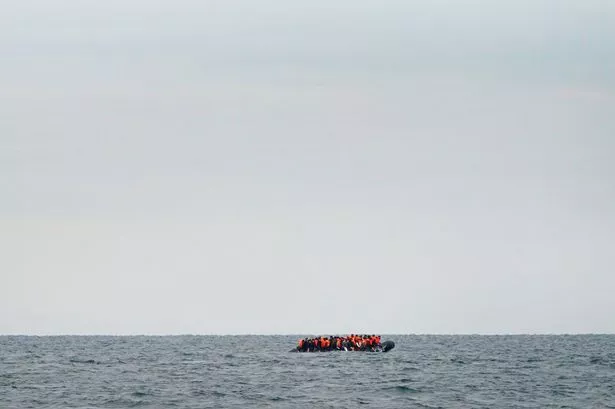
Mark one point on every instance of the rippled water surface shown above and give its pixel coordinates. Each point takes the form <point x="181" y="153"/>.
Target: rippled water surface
<point x="258" y="371"/>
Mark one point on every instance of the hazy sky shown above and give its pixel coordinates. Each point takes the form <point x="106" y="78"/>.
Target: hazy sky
<point x="307" y="166"/>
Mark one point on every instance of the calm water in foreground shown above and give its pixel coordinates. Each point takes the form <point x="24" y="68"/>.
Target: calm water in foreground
<point x="258" y="371"/>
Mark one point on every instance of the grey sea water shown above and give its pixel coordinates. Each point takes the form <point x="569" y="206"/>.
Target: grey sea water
<point x="423" y="371"/>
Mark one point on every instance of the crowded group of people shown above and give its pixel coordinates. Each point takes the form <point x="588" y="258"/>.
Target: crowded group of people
<point x="352" y="342"/>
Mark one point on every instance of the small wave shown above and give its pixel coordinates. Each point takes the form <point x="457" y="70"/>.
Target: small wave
<point x="403" y="389"/>
<point x="600" y="360"/>
<point x="139" y="394"/>
<point x="410" y="361"/>
<point x="85" y="361"/>
<point x="126" y="403"/>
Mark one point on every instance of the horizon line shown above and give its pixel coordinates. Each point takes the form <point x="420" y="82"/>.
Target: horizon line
<point x="301" y="334"/>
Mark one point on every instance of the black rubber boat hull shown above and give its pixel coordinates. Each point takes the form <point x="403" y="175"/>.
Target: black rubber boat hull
<point x="387" y="346"/>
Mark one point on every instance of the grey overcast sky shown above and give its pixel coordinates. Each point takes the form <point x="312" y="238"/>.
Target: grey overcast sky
<point x="318" y="166"/>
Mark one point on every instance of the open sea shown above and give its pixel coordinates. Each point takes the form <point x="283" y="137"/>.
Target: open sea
<point x="423" y="371"/>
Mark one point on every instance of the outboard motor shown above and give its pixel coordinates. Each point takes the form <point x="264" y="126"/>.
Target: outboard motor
<point x="387" y="346"/>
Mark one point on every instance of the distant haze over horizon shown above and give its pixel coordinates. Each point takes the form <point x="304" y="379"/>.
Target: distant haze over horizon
<point x="321" y="167"/>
